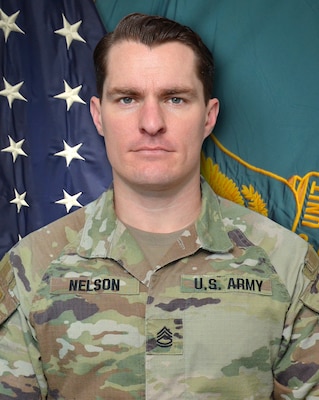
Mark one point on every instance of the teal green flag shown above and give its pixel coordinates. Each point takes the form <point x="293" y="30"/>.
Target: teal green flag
<point x="264" y="151"/>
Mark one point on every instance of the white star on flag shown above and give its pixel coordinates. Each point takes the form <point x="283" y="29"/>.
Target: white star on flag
<point x="37" y="58"/>
<point x="15" y="148"/>
<point x="70" y="31"/>
<point x="70" y="153"/>
<point x="70" y="95"/>
<point x="19" y="200"/>
<point x="70" y="201"/>
<point x="8" y="25"/>
<point x="12" y="92"/>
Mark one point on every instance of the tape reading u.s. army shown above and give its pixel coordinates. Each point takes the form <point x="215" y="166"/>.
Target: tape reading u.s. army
<point x="103" y="285"/>
<point x="226" y="283"/>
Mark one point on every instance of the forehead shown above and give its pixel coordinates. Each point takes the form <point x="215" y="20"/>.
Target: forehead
<point x="172" y="61"/>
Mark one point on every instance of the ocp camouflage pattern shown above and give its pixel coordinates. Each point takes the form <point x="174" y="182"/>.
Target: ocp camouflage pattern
<point x="230" y="312"/>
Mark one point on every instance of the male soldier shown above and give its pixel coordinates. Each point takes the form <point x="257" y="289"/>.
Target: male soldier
<point x="158" y="289"/>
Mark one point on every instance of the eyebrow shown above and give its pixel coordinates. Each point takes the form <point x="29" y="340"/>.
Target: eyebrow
<point x="131" y="91"/>
<point x="121" y="91"/>
<point x="180" y="90"/>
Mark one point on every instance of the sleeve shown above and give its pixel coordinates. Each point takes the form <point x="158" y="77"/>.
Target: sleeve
<point x="20" y="367"/>
<point x="296" y="373"/>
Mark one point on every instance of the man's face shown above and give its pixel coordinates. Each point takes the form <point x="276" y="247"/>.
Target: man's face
<point x="153" y="115"/>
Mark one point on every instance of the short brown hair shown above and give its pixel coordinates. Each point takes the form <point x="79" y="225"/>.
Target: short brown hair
<point x="154" y="30"/>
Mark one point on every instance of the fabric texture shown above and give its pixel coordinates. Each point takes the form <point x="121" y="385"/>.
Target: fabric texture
<point x="87" y="316"/>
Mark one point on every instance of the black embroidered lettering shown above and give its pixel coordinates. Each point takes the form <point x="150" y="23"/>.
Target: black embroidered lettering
<point x="240" y="283"/>
<point x="231" y="284"/>
<point x="89" y="287"/>
<point x="106" y="284"/>
<point x="115" y="285"/>
<point x="97" y="284"/>
<point x="259" y="284"/>
<point x="212" y="284"/>
<point x="85" y="285"/>
<point x="82" y="285"/>
<point x="223" y="283"/>
<point x="111" y="284"/>
<point x="250" y="284"/>
<point x="198" y="283"/>
<point x="73" y="285"/>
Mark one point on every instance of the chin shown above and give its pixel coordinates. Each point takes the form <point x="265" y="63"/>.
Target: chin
<point x="159" y="183"/>
<point x="149" y="179"/>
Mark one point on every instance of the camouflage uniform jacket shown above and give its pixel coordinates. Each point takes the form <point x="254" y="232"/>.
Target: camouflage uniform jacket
<point x="84" y="317"/>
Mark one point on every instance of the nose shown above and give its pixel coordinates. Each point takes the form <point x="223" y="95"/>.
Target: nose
<point x="151" y="118"/>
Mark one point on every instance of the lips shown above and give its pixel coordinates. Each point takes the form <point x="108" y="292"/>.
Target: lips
<point x="152" y="149"/>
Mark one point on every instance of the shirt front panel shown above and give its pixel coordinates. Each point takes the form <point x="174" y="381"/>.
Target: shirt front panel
<point x="102" y="330"/>
<point x="73" y="315"/>
<point x="213" y="327"/>
<point x="88" y="316"/>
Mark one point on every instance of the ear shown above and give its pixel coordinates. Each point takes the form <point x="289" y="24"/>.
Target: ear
<point x="95" y="109"/>
<point x="212" y="109"/>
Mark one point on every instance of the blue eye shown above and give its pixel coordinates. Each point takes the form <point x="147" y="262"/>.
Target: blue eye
<point x="126" y="100"/>
<point x="176" y="100"/>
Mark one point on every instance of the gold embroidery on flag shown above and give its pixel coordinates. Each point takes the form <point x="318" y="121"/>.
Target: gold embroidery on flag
<point x="305" y="191"/>
<point x="227" y="188"/>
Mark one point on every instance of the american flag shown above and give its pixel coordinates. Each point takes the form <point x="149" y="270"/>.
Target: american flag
<point x="52" y="161"/>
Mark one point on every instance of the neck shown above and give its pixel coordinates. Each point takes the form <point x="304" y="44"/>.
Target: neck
<point x="161" y="211"/>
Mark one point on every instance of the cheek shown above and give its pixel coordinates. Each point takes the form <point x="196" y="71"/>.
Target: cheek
<point x="193" y="134"/>
<point x="115" y="143"/>
<point x="112" y="152"/>
<point x="113" y="126"/>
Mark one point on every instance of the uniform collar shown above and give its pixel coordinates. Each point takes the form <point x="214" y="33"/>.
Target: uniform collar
<point x="210" y="228"/>
<point x="105" y="236"/>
